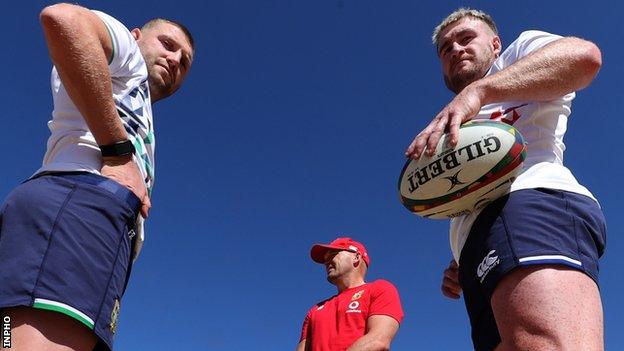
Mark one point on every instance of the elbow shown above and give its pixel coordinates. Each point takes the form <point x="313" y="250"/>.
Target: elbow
<point x="593" y="57"/>
<point x="54" y="16"/>
<point x="590" y="60"/>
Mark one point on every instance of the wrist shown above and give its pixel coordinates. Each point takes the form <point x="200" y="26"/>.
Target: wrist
<point x="482" y="90"/>
<point x="120" y="148"/>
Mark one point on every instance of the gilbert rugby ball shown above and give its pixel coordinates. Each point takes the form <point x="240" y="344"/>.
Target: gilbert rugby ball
<point x="457" y="181"/>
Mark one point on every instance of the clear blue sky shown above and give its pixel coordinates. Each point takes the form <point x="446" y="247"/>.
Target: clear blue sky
<point x="290" y="130"/>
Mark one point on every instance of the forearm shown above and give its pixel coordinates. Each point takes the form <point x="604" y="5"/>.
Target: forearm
<point x="75" y="43"/>
<point x="369" y="342"/>
<point x="561" y="67"/>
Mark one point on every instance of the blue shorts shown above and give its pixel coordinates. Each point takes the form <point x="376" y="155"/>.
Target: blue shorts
<point x="526" y="227"/>
<point x="66" y="244"/>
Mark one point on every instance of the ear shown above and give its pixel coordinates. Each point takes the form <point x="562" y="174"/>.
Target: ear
<point x="356" y="260"/>
<point x="136" y="33"/>
<point x="497" y="45"/>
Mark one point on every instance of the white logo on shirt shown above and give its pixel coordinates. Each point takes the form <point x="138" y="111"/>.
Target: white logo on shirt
<point x="353" y="307"/>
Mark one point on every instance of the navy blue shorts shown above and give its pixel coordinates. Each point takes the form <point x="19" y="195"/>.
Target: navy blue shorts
<point x="526" y="227"/>
<point x="66" y="244"/>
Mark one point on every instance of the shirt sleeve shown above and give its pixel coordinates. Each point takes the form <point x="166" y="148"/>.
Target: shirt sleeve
<point x="528" y="42"/>
<point x="124" y="45"/>
<point x="385" y="300"/>
<point x="305" y="327"/>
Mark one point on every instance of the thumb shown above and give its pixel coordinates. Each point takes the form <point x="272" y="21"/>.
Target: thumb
<point x="146" y="204"/>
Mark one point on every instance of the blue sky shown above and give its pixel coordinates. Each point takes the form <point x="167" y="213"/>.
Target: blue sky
<point x="290" y="130"/>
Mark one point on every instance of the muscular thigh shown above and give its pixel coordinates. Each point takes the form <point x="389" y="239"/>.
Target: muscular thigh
<point x="543" y="243"/>
<point x="35" y="329"/>
<point x="548" y="307"/>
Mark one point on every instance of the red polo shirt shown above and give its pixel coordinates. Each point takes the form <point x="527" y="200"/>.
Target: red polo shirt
<point x="336" y="323"/>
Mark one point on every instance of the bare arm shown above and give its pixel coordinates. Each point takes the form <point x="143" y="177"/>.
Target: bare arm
<point x="380" y="330"/>
<point x="79" y="46"/>
<point x="302" y="345"/>
<point x="561" y="67"/>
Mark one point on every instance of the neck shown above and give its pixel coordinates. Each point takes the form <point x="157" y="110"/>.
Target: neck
<point x="349" y="282"/>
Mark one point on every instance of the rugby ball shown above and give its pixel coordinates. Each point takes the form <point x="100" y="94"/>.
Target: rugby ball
<point x="457" y="181"/>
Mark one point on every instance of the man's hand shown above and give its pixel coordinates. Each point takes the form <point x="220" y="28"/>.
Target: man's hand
<point x="124" y="171"/>
<point x="450" y="281"/>
<point x="462" y="108"/>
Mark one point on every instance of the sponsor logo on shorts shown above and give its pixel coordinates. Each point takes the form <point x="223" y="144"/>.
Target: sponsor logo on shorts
<point x="489" y="261"/>
<point x="114" y="316"/>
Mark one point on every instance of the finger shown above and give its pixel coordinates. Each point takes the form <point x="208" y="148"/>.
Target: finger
<point x="450" y="274"/>
<point x="146" y="204"/>
<point x="416" y="147"/>
<point x="451" y="284"/>
<point x="454" y="124"/>
<point x="412" y="147"/>
<point x="453" y="264"/>
<point x="144" y="211"/>
<point x="434" y="137"/>
<point x="418" y="144"/>
<point x="451" y="289"/>
<point x="450" y="294"/>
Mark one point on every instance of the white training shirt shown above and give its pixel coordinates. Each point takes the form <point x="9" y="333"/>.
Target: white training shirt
<point x="72" y="147"/>
<point x="543" y="125"/>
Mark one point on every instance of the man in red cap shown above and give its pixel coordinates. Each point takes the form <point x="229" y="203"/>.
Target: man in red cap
<point x="362" y="316"/>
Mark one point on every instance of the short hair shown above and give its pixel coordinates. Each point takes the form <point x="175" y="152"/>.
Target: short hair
<point x="182" y="27"/>
<point x="458" y="14"/>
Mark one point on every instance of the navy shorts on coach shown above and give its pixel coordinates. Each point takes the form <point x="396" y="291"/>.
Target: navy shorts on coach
<point x="526" y="227"/>
<point x="66" y="246"/>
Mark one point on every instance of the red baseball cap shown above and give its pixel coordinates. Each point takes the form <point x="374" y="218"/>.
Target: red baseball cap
<point x="318" y="250"/>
